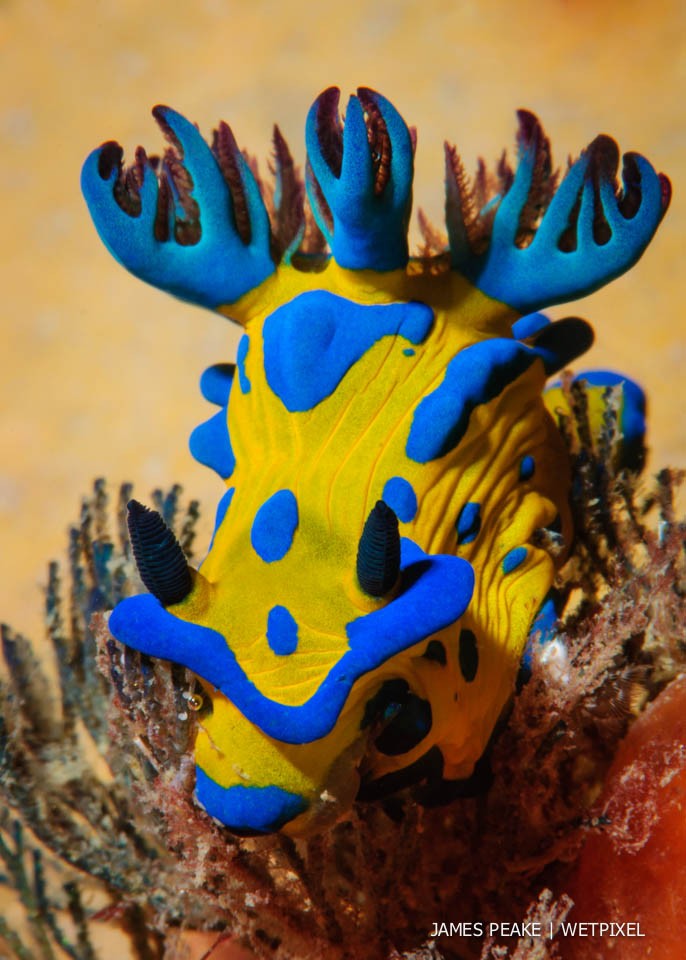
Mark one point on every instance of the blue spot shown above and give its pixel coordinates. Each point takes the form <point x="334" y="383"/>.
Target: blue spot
<point x="409" y="352"/>
<point x="434" y="593"/>
<point x="222" y="507"/>
<point x="243" y="347"/>
<point x="476" y="375"/>
<point x="282" y="631"/>
<point x="527" y="468"/>
<point x="210" y="444"/>
<point x="528" y="325"/>
<point x="514" y="559"/>
<point x="274" y="526"/>
<point x="313" y="341"/>
<point x="469" y="523"/>
<point x="263" y="809"/>
<point x="215" y="383"/>
<point x="401" y="498"/>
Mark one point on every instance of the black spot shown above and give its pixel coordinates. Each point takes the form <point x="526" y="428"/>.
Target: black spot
<point x="523" y="676"/>
<point x="436" y="652"/>
<point x="404" y="717"/>
<point x="437" y="793"/>
<point x="427" y="767"/>
<point x="469" y="655"/>
<point x="407" y="729"/>
<point x="394" y="808"/>
<point x="385" y="703"/>
<point x="556" y="525"/>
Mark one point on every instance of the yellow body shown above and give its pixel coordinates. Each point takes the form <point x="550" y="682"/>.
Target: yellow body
<point x="336" y="459"/>
<point x="361" y="616"/>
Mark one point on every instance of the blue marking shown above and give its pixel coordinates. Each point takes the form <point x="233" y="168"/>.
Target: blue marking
<point x="527" y="468"/>
<point x="243" y="347"/>
<point x="248" y="808"/>
<point x="434" y="593"/>
<point x="282" y="631"/>
<point x="475" y="376"/>
<point x="528" y="325"/>
<point x="469" y="523"/>
<point x="401" y="498"/>
<point x="514" y="559"/>
<point x="222" y="507"/>
<point x="215" y="383"/>
<point x="311" y="342"/>
<point x="409" y="352"/>
<point x="274" y="526"/>
<point x="210" y="444"/>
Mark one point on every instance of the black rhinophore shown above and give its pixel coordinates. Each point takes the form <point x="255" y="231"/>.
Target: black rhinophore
<point x="378" y="555"/>
<point x="159" y="556"/>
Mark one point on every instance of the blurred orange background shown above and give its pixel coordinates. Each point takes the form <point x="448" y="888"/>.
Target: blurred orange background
<point x="99" y="372"/>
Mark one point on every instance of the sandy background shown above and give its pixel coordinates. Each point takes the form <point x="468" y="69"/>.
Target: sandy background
<point x="99" y="372"/>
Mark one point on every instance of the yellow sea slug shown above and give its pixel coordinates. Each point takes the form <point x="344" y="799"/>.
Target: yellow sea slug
<point x="361" y="615"/>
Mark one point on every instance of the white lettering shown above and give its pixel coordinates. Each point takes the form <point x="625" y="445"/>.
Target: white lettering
<point x="533" y="929"/>
<point x="461" y="929"/>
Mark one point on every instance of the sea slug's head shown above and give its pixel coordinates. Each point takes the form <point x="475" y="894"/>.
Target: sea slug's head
<point x="376" y="563"/>
<point x="307" y="650"/>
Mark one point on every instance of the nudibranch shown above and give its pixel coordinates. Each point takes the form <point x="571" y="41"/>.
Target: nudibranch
<point x="376" y="566"/>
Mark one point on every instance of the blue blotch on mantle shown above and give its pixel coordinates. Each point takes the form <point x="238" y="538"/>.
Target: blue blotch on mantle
<point x="216" y="381"/>
<point x="529" y="325"/>
<point x="274" y="526"/>
<point x="475" y="376"/>
<point x="311" y="342"/>
<point x="469" y="523"/>
<point x="527" y="467"/>
<point x="399" y="494"/>
<point x="514" y="559"/>
<point x="210" y="445"/>
<point x="282" y="631"/>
